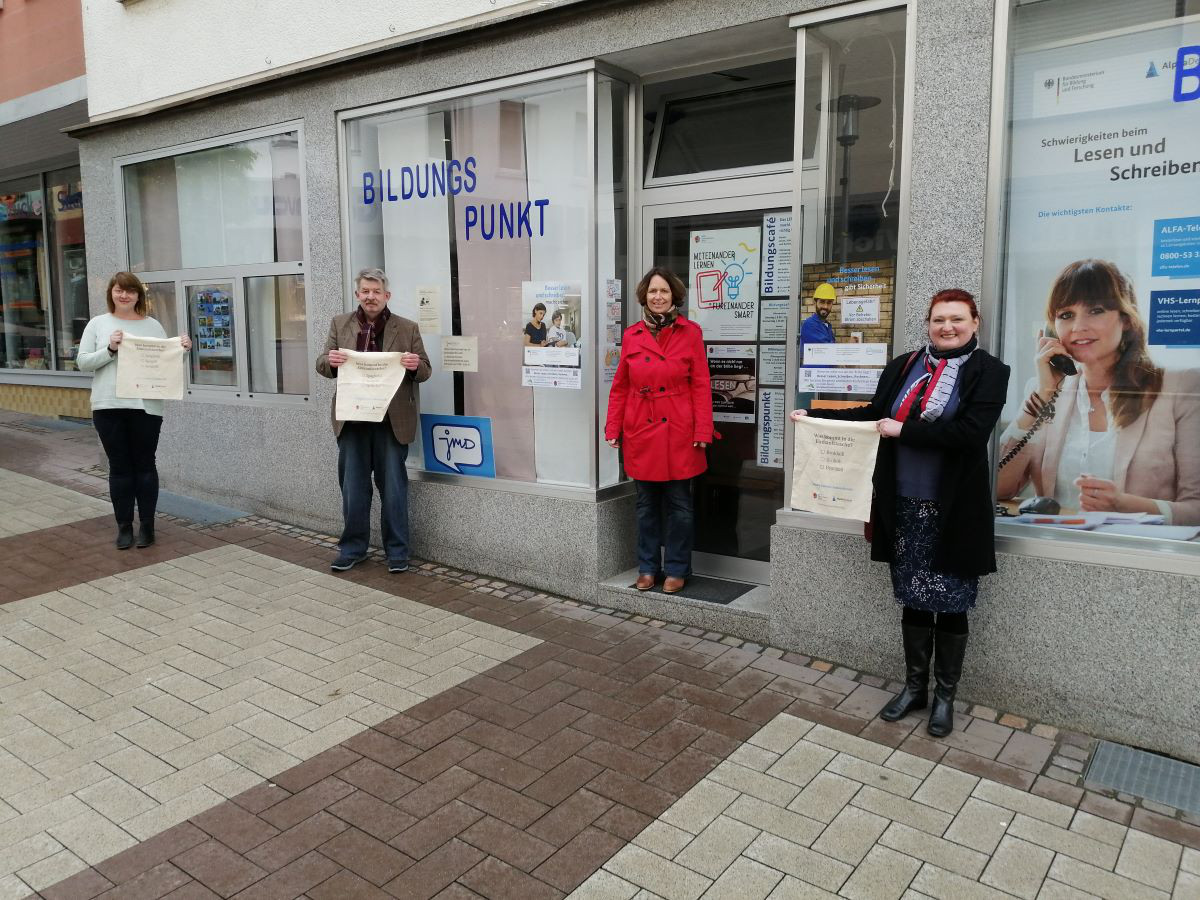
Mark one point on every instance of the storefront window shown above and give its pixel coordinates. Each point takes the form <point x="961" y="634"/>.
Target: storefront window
<point x="853" y="117"/>
<point x="1101" y="273"/>
<point x="217" y="235"/>
<point x="479" y="210"/>
<point x="233" y="205"/>
<point x="24" y="293"/>
<point x="68" y="262"/>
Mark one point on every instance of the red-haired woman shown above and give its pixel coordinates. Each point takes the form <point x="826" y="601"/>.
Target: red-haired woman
<point x="660" y="414"/>
<point x="932" y="514"/>
<point x="128" y="429"/>
<point x="1103" y="428"/>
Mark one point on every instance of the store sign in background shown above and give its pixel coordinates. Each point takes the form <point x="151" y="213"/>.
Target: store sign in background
<point x="460" y="445"/>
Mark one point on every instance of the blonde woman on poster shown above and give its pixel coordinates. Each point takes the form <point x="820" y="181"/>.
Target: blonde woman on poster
<point x="1103" y="429"/>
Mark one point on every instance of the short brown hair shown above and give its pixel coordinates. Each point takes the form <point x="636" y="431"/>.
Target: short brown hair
<point x="129" y="282"/>
<point x="678" y="291"/>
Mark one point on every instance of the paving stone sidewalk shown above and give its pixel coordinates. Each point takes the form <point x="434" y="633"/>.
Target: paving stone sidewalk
<point x="220" y="716"/>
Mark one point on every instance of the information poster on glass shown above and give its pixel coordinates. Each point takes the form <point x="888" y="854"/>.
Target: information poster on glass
<point x="1102" y="286"/>
<point x="213" y="337"/>
<point x="771" y="418"/>
<point x="731" y="369"/>
<point x="723" y="282"/>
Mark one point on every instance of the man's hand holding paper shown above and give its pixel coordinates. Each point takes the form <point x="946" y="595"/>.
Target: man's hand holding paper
<point x="366" y="383"/>
<point x="833" y="465"/>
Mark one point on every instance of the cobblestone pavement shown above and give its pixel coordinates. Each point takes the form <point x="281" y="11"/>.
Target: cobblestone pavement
<point x="219" y="716"/>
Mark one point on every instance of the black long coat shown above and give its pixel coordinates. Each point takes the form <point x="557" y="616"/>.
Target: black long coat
<point x="967" y="541"/>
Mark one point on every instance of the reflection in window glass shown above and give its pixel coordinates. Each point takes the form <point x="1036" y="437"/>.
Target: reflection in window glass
<point x="708" y="133"/>
<point x="161" y="296"/>
<point x="23" y="290"/>
<point x="68" y="262"/>
<point x="853" y="116"/>
<point x="210" y="309"/>
<point x="1102" y="272"/>
<point x="480" y="207"/>
<point x="277" y="335"/>
<point x="232" y="205"/>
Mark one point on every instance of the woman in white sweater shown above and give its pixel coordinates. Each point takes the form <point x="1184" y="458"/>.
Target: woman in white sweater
<point x="128" y="428"/>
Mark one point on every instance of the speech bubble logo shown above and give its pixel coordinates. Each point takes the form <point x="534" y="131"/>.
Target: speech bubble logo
<point x="457" y="445"/>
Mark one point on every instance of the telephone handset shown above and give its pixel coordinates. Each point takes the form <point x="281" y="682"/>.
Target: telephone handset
<point x="1062" y="364"/>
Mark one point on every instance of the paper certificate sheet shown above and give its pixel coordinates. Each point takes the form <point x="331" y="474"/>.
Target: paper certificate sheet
<point x="832" y="467"/>
<point x="150" y="368"/>
<point x="366" y="383"/>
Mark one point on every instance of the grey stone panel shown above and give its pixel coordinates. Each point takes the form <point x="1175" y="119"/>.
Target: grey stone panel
<point x="951" y="108"/>
<point x="1105" y="650"/>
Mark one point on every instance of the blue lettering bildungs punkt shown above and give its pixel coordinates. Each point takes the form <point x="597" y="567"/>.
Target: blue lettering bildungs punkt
<point x="449" y="178"/>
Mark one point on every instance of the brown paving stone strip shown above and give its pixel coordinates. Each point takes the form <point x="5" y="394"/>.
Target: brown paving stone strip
<point x="523" y="780"/>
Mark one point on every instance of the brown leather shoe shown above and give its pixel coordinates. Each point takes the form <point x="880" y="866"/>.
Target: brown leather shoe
<point x="673" y="585"/>
<point x="644" y="582"/>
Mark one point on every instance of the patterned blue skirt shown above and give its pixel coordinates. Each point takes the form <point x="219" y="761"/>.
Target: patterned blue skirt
<point x="914" y="582"/>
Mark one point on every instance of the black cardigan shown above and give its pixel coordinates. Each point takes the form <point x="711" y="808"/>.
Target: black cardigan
<point x="966" y="544"/>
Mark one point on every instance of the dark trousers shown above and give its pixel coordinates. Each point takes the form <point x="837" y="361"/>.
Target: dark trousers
<point x="366" y="449"/>
<point x="130" y="440"/>
<point x="664" y="516"/>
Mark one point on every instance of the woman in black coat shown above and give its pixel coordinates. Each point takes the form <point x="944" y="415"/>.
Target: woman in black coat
<point x="932" y="514"/>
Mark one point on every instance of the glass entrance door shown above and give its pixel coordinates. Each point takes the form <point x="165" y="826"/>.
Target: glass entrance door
<point x="734" y="263"/>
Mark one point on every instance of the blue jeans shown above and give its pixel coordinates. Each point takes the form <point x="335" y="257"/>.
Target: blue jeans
<point x="366" y="449"/>
<point x="664" y="515"/>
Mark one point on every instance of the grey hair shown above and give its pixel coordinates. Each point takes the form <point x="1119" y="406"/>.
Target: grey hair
<point x="370" y="275"/>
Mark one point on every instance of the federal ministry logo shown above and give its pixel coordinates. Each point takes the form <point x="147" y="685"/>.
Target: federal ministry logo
<point x="1048" y="84"/>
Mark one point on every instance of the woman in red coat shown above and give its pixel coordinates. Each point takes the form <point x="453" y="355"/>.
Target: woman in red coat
<point x="660" y="414"/>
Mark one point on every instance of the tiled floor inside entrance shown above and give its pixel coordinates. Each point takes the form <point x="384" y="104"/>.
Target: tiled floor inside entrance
<point x="220" y="716"/>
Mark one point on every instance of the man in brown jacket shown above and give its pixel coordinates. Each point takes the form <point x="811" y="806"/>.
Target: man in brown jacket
<point x="375" y="448"/>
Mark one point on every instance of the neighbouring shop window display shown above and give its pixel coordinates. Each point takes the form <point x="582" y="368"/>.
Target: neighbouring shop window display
<point x="24" y="292"/>
<point x="68" y="262"/>
<point x="1101" y="432"/>
<point x="480" y="209"/>
<point x="217" y="235"/>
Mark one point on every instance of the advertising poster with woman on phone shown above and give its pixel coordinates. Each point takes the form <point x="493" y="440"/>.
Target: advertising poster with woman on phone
<point x="1102" y="286"/>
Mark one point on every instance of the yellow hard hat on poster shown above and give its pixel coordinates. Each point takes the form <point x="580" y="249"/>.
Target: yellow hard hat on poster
<point x="825" y="291"/>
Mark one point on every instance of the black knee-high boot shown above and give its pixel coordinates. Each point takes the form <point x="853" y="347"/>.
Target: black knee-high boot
<point x="949" y="650"/>
<point x="918" y="647"/>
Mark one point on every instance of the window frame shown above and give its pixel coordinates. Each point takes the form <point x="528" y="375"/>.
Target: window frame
<point x="592" y="358"/>
<point x="239" y="394"/>
<point x="1124" y="551"/>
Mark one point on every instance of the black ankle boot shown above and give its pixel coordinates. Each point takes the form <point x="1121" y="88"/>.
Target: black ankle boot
<point x="146" y="534"/>
<point x="918" y="647"/>
<point x="124" y="535"/>
<point x="949" y="650"/>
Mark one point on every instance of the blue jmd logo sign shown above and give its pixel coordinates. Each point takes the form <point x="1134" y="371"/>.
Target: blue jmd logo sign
<point x="487" y="221"/>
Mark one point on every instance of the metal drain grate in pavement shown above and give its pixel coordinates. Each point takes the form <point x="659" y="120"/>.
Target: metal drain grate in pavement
<point x="1147" y="775"/>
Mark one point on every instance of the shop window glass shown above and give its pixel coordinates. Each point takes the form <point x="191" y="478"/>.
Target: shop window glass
<point x="699" y="124"/>
<point x="161" y="296"/>
<point x="1101" y="273"/>
<point x="68" y="262"/>
<point x="233" y="205"/>
<point x="478" y="210"/>
<point x="24" y="291"/>
<point x="853" y="119"/>
<point x="277" y="335"/>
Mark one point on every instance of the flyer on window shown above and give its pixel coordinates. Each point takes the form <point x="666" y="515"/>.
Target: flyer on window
<point x="366" y="383"/>
<point x="150" y="368"/>
<point x="723" y="282"/>
<point x="731" y="371"/>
